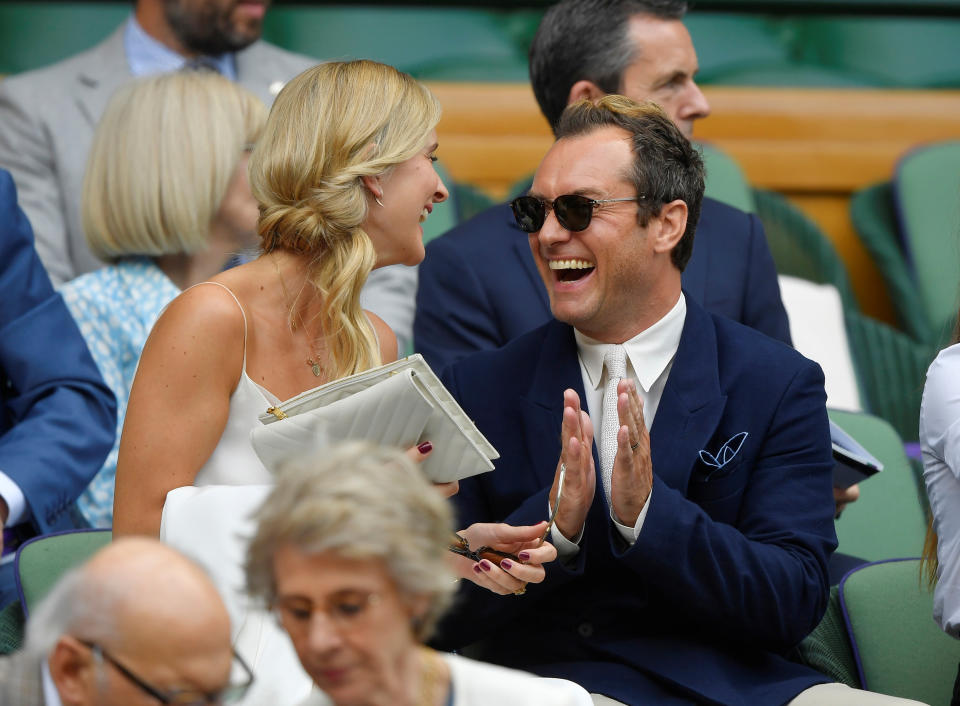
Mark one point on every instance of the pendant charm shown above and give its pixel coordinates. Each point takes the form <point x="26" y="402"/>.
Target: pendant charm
<point x="315" y="367"/>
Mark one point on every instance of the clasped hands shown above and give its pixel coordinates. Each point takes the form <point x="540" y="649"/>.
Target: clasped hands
<point x="632" y="475"/>
<point x="524" y="542"/>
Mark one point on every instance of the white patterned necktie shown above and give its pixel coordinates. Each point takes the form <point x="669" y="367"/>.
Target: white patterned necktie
<point x="614" y="361"/>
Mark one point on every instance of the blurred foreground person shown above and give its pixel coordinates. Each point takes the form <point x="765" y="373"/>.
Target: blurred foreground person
<point x="351" y="553"/>
<point x="167" y="203"/>
<point x="136" y="624"/>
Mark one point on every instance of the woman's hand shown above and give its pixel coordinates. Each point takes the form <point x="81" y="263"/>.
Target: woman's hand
<point x="509" y="576"/>
<point x="418" y="454"/>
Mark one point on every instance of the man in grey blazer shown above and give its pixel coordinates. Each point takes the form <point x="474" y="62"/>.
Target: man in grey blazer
<point x="136" y="623"/>
<point x="47" y="119"/>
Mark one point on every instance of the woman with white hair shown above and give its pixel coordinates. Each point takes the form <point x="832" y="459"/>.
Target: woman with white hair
<point x="167" y="204"/>
<point x="350" y="554"/>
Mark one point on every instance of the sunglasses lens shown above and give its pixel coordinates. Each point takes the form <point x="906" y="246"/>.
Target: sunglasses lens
<point x="529" y="213"/>
<point x="573" y="211"/>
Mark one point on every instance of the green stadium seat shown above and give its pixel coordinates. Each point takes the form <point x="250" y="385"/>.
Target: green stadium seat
<point x="43" y="560"/>
<point x="914" y="52"/>
<point x="429" y="43"/>
<point x="728" y="42"/>
<point x="34" y="34"/>
<point x="898" y="648"/>
<point x="926" y="192"/>
<point x="725" y="180"/>
<point x="873" y="216"/>
<point x="889" y="520"/>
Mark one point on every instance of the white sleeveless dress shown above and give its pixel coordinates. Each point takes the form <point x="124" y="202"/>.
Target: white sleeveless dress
<point x="211" y="522"/>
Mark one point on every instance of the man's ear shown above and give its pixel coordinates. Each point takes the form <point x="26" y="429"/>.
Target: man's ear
<point x="72" y="670"/>
<point x="672" y="225"/>
<point x="584" y="90"/>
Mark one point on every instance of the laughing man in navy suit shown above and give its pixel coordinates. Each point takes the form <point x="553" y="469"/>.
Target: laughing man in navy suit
<point x="693" y="545"/>
<point x="479" y="286"/>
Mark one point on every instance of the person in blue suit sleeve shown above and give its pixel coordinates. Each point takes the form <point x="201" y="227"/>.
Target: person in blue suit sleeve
<point x="57" y="416"/>
<point x="693" y="540"/>
<point x="478" y="286"/>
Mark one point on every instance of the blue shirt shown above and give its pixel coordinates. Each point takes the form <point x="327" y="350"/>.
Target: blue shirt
<point x="115" y="308"/>
<point x="148" y="56"/>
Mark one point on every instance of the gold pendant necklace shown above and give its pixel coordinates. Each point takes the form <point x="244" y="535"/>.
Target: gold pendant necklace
<point x="313" y="360"/>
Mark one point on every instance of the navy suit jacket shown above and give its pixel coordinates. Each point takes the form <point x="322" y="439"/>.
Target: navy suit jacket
<point x="479" y="287"/>
<point x="730" y="568"/>
<point x="57" y="417"/>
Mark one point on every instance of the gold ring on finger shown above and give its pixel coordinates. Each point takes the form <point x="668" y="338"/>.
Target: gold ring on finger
<point x="633" y="447"/>
<point x="520" y="591"/>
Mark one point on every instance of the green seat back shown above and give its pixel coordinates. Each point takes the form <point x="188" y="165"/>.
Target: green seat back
<point x="827" y="649"/>
<point x="725" y="180"/>
<point x="909" y="52"/>
<point x="874" y="218"/>
<point x="728" y="42"/>
<point x="927" y="191"/>
<point x="34" y="34"/>
<point x="888" y="521"/>
<point x="899" y="650"/>
<point x="430" y="43"/>
<point x="11" y="628"/>
<point x="42" y="561"/>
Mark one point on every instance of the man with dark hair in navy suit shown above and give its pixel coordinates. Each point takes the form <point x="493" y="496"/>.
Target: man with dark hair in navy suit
<point x="479" y="286"/>
<point x="57" y="417"/>
<point x="693" y="543"/>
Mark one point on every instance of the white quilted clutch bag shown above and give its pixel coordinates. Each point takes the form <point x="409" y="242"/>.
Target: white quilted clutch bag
<point x="398" y="404"/>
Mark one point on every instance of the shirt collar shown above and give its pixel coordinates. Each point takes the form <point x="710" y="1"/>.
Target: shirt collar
<point x="51" y="697"/>
<point x="649" y="352"/>
<point x="147" y="56"/>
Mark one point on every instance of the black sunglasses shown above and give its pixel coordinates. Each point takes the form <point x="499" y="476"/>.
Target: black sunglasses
<point x="228" y="695"/>
<point x="572" y="210"/>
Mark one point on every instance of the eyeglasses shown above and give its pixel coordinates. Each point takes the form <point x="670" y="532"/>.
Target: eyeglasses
<point x="344" y="609"/>
<point x="181" y="697"/>
<point x="573" y="211"/>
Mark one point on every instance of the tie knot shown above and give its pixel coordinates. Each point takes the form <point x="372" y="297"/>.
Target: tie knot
<point x="615" y="361"/>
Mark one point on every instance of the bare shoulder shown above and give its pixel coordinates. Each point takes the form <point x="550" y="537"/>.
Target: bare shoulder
<point x="386" y="337"/>
<point x="207" y="310"/>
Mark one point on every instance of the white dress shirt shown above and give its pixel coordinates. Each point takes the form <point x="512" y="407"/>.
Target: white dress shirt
<point x="650" y="357"/>
<point x="51" y="697"/>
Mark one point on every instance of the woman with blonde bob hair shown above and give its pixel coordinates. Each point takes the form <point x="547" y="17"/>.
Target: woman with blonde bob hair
<point x="350" y="554"/>
<point x="166" y="202"/>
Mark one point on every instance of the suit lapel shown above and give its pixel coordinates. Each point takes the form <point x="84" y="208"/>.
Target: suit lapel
<point x="692" y="402"/>
<point x="104" y="71"/>
<point x="542" y="406"/>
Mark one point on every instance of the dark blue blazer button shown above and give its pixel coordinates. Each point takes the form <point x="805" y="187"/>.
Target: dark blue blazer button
<point x="585" y="629"/>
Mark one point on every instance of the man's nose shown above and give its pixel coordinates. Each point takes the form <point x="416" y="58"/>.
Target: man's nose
<point x="552" y="232"/>
<point x="696" y="105"/>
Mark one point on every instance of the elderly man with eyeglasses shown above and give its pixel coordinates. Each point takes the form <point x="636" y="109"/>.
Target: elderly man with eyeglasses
<point x="136" y="624"/>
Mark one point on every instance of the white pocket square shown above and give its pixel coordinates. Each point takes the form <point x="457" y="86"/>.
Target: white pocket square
<point x="726" y="453"/>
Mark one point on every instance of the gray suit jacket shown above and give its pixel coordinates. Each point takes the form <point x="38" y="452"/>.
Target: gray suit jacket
<point x="47" y="120"/>
<point x="20" y="682"/>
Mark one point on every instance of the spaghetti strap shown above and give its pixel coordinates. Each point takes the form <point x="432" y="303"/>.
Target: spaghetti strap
<point x="242" y="313"/>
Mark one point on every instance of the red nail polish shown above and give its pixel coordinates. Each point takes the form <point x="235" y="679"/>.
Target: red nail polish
<point x="485" y="565"/>
<point x="425" y="448"/>
<point x="523" y="556"/>
<point x="506" y="564"/>
<point x="476" y="568"/>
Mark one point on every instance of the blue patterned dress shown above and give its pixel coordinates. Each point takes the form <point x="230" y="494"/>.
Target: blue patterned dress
<point x="115" y="308"/>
